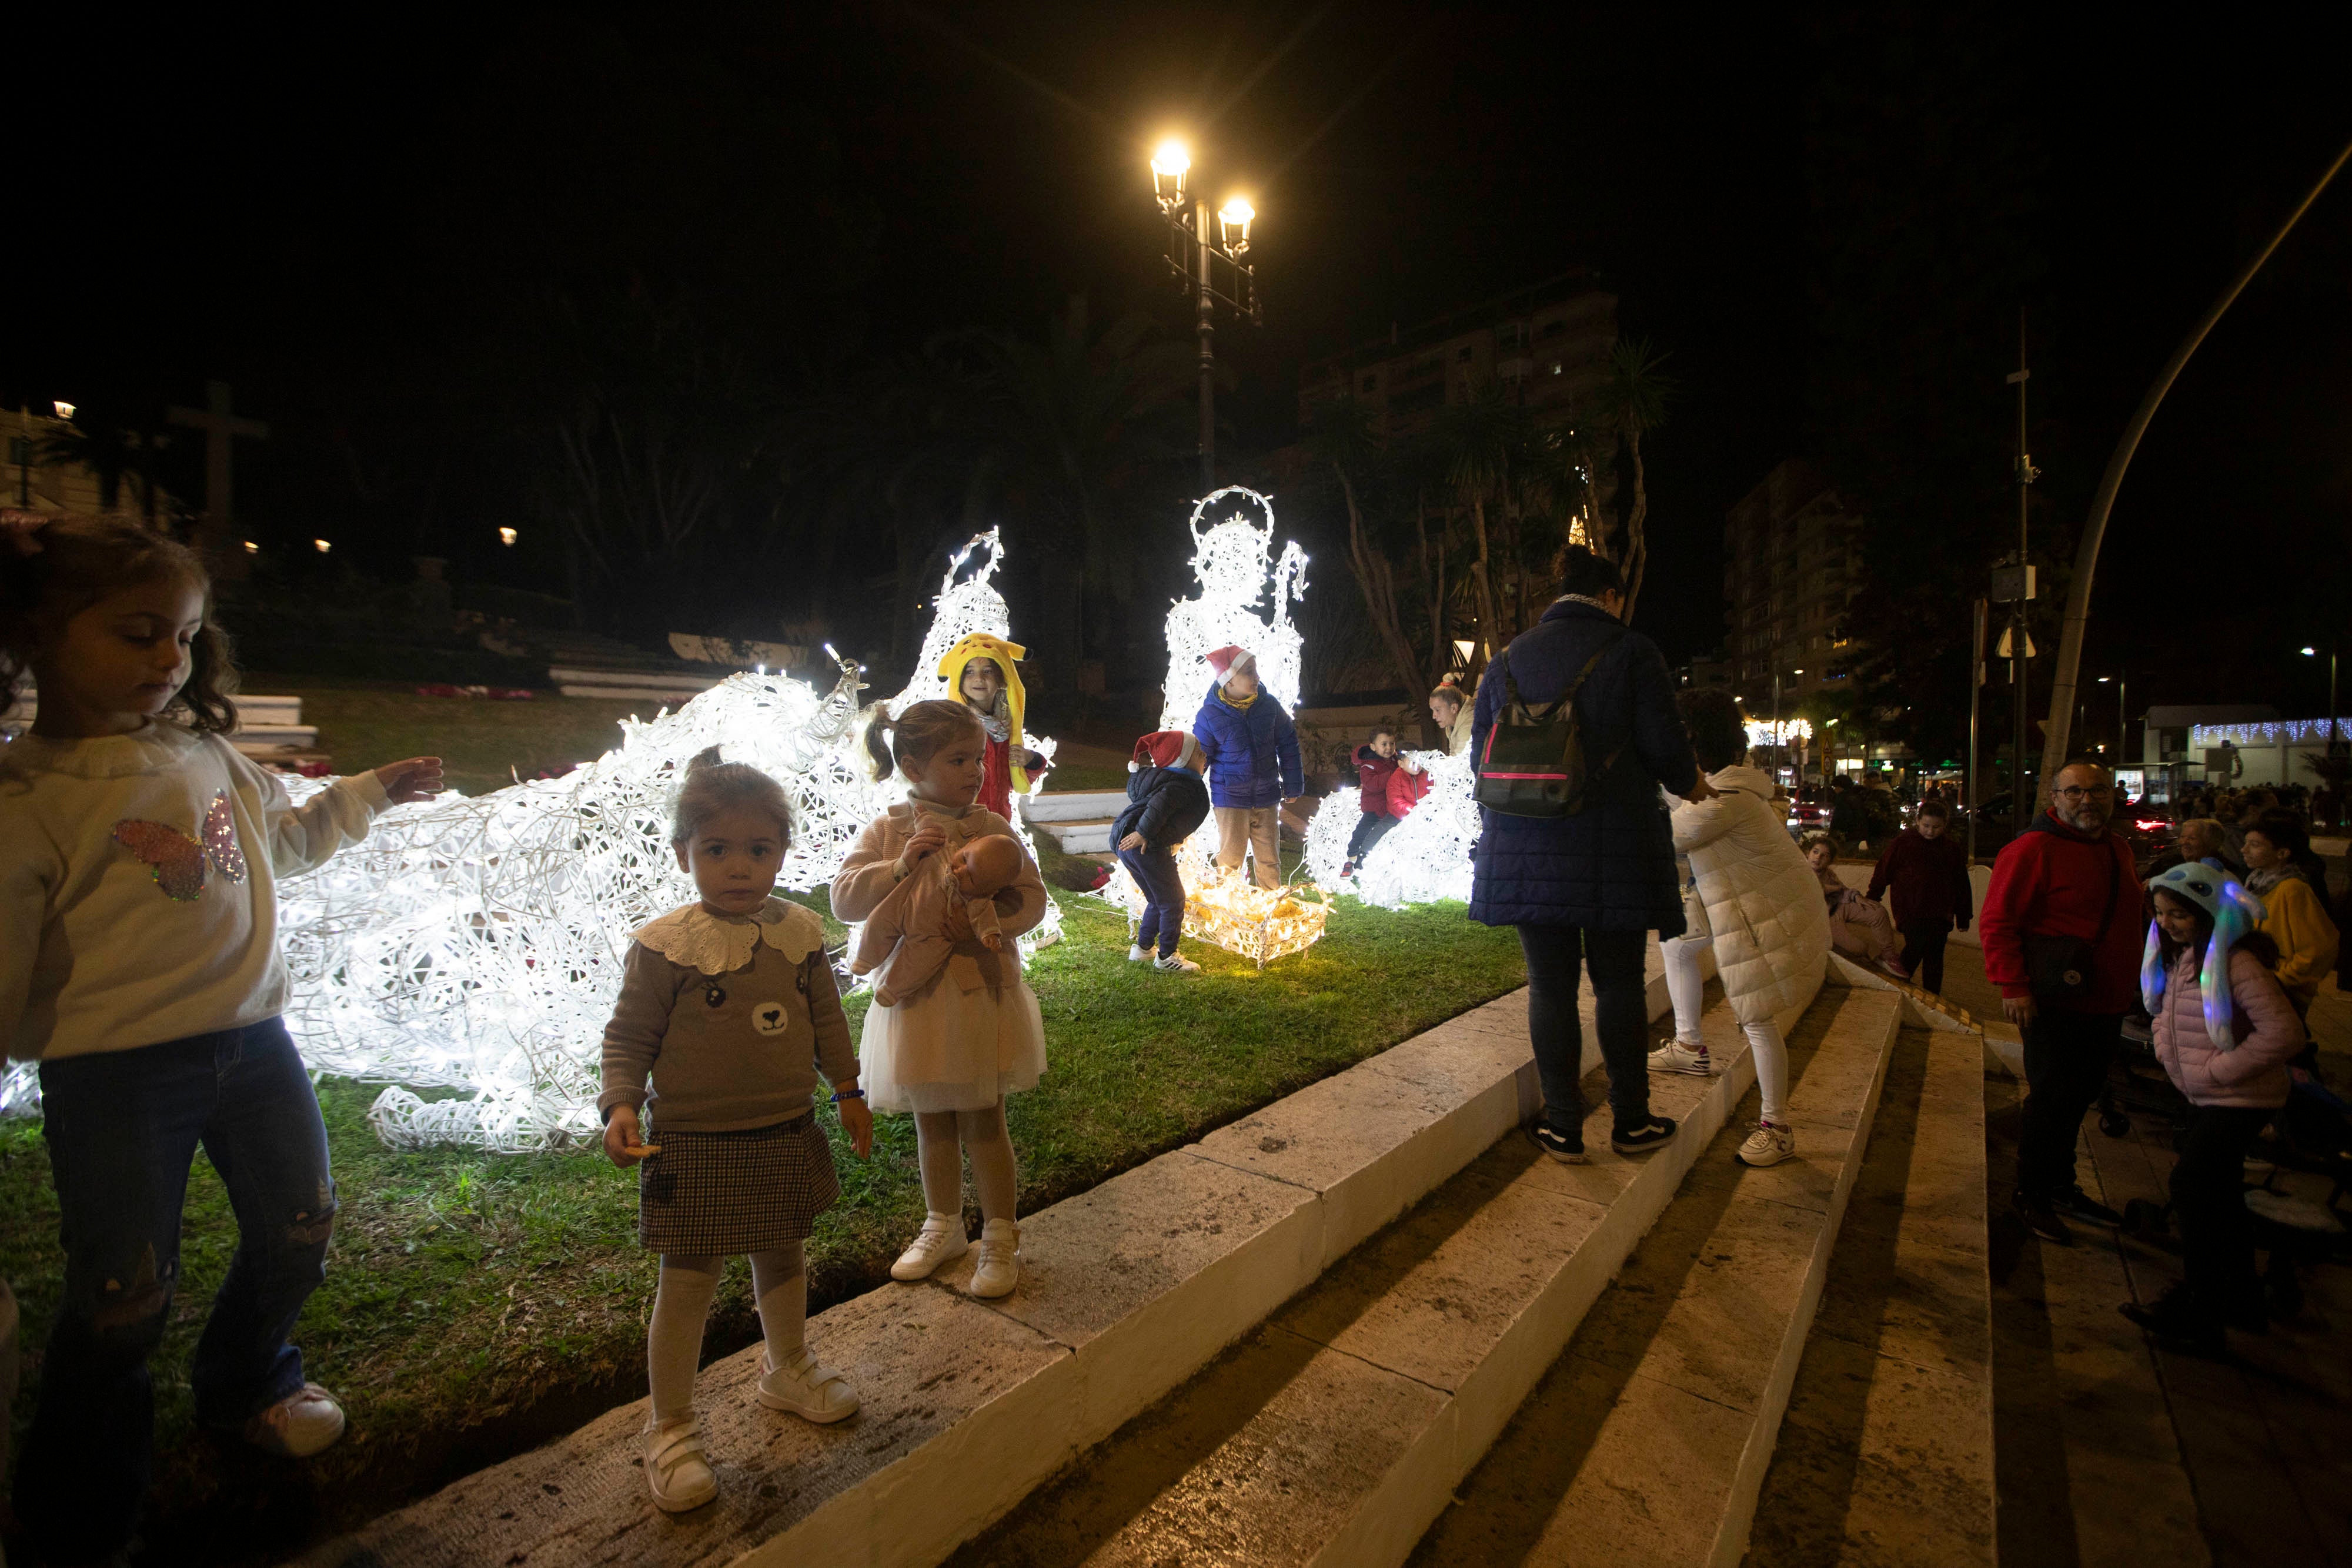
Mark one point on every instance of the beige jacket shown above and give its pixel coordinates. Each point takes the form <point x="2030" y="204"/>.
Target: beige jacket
<point x="871" y="874"/>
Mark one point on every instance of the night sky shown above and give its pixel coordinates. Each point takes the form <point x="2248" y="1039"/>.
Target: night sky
<point x="316" y="211"/>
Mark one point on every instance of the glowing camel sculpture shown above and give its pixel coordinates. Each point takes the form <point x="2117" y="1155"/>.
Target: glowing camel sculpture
<point x="476" y="944"/>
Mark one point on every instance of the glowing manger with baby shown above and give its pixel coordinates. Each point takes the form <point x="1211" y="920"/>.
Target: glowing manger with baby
<point x="1235" y="570"/>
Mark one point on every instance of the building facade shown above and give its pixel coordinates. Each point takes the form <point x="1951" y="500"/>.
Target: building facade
<point x="1792" y="564"/>
<point x="1548" y="344"/>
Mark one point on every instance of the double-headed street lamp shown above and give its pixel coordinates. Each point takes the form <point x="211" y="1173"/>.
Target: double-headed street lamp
<point x="1192" y="254"/>
<point x="2334" y="739"/>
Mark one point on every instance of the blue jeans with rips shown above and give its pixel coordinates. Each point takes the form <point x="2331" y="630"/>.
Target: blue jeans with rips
<point x="123" y="1129"/>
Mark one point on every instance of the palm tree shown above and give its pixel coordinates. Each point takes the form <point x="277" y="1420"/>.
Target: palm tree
<point x="1633" y="402"/>
<point x="1073" y="428"/>
<point x="111" y="455"/>
<point x="1345" y="438"/>
<point x="1480" y="437"/>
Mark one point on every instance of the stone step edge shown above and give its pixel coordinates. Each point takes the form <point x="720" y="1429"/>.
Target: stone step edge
<point x="1206" y="1310"/>
<point x="1756" y="1455"/>
<point x="1951" y="1124"/>
<point x="1421" y="1484"/>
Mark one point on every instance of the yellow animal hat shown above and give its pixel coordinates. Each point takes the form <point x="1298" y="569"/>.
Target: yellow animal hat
<point x="1005" y="655"/>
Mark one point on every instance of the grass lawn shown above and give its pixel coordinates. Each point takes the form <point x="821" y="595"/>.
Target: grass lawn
<point x="363" y="724"/>
<point x="482" y="744"/>
<point x="477" y="1305"/>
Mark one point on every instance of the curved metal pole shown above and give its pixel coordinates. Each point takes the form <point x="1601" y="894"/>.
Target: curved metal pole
<point x="2057" y="734"/>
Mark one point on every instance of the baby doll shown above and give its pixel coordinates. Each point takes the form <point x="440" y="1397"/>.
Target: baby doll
<point x="905" y="942"/>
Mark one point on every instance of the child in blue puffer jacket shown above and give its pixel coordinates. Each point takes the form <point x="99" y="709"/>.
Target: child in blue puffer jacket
<point x="1254" y="770"/>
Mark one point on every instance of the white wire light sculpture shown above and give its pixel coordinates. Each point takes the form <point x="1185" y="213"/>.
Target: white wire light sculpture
<point x="1423" y="858"/>
<point x="1236" y="571"/>
<point x="476" y="944"/>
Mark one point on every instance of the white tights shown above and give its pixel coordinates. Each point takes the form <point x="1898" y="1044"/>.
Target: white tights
<point x="682" y="1304"/>
<point x="942" y="1139"/>
<point x="1687" y="987"/>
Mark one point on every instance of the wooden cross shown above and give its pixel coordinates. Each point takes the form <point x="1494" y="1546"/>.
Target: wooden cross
<point x="217" y="534"/>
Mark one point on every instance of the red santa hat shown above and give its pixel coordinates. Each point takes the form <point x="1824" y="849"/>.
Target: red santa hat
<point x="1221" y="661"/>
<point x="1168" y="748"/>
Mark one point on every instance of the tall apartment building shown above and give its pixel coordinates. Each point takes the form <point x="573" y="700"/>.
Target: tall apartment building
<point x="1548" y="343"/>
<point x="1792" y="563"/>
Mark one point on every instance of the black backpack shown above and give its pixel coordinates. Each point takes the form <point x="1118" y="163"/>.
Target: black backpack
<point x="1533" y="761"/>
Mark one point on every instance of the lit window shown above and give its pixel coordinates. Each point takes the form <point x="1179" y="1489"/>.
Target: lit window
<point x="1555" y="367"/>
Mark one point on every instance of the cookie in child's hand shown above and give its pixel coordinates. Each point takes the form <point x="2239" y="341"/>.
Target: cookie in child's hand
<point x="640" y="1151"/>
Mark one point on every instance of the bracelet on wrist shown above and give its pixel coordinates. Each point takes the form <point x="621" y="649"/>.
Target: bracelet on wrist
<point x="841" y="1095"/>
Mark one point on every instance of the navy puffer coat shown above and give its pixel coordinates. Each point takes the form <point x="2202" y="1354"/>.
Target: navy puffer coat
<point x="1252" y="752"/>
<point x="1611" y="866"/>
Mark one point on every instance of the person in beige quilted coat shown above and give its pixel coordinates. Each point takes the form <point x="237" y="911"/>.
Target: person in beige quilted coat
<point x="1750" y="895"/>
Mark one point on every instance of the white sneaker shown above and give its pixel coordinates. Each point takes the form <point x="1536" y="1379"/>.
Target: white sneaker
<point x="1676" y="1057"/>
<point x="1176" y="964"/>
<point x="1136" y="955"/>
<point x="1000" y="1268"/>
<point x="298" y="1426"/>
<point x="806" y="1388"/>
<point x="1769" y="1144"/>
<point x="941" y="1240"/>
<point x="676" y="1472"/>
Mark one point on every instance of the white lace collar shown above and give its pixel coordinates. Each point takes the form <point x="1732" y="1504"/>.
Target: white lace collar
<point x="696" y="939"/>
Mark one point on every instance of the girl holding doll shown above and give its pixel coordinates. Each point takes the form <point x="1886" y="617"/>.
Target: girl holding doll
<point x="971" y="1033"/>
<point x="139" y="966"/>
<point x="2225" y="1031"/>
<point x="728" y="1005"/>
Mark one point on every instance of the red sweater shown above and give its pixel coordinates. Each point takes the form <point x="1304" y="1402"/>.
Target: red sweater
<point x="1929" y="876"/>
<point x="2052" y="881"/>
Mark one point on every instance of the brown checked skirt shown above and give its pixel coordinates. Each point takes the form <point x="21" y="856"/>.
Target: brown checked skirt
<point x="721" y="1193"/>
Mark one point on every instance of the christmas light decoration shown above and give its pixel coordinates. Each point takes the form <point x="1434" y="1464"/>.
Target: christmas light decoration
<point x="1237" y="571"/>
<point x="1261" y="923"/>
<point x="476" y="946"/>
<point x="1423" y="858"/>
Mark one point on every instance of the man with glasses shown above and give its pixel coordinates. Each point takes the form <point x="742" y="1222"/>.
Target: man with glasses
<point x="2062" y="938"/>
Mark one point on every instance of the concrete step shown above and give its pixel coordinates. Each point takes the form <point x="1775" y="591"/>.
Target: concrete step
<point x="1073" y="805"/>
<point x="1647" y="1441"/>
<point x="1337" y="1431"/>
<point x="1127" y="1291"/>
<point x="1886" y="1452"/>
<point x="1078" y="820"/>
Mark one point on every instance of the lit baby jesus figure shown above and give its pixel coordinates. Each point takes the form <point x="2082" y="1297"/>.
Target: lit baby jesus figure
<point x="905" y="942"/>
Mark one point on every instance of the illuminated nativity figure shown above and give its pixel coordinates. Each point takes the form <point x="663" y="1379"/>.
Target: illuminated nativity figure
<point x="1236" y="571"/>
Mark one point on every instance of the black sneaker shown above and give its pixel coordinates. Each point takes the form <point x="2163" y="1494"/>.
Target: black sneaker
<point x="2076" y="1204"/>
<point x="1643" y="1137"/>
<point x="2179" y="1322"/>
<point x="1557" y="1145"/>
<point x="2043" y="1219"/>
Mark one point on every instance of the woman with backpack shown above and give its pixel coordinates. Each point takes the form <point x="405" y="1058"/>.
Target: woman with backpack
<point x="1583" y="886"/>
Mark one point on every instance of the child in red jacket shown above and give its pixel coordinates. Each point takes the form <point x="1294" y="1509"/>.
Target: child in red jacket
<point x="1377" y="796"/>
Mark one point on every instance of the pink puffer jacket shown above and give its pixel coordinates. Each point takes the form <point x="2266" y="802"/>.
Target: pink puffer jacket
<point x="2264" y="1021"/>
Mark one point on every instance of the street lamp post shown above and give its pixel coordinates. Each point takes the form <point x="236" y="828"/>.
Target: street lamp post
<point x="2334" y="737"/>
<point x="1193" y="251"/>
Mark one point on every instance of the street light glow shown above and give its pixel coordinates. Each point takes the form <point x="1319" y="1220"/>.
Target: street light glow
<point x="1170" y="160"/>
<point x="322" y="546"/>
<point x="506" y="536"/>
<point x="2310" y="653"/>
<point x="65" y="409"/>
<point x="1235" y="217"/>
